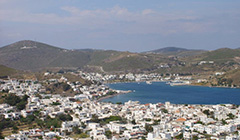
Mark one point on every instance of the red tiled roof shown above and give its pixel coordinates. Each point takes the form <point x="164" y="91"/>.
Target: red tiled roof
<point x="146" y="104"/>
<point x="181" y="120"/>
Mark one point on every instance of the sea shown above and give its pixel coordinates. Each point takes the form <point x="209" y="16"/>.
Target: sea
<point x="160" y="92"/>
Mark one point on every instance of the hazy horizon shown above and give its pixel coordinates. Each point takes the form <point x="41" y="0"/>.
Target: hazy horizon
<point x="122" y="25"/>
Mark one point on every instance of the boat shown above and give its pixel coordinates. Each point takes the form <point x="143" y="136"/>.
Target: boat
<point x="148" y="82"/>
<point x="179" y="83"/>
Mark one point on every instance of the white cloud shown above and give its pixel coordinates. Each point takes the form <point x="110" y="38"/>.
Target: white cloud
<point x="115" y="19"/>
<point x="70" y="9"/>
<point x="148" y="11"/>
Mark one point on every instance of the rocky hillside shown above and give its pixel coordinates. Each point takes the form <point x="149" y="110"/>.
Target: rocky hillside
<point x="30" y="55"/>
<point x="5" y="71"/>
<point x="35" y="56"/>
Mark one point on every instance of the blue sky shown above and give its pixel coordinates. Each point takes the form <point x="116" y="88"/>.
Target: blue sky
<point x="125" y="25"/>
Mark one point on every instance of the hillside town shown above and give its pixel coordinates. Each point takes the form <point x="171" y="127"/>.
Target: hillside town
<point x="83" y="116"/>
<point x="119" y="70"/>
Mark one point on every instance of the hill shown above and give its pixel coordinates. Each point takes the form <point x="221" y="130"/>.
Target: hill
<point x="31" y="55"/>
<point x="222" y="54"/>
<point x="169" y="50"/>
<point x="177" y="51"/>
<point x="233" y="77"/>
<point x="219" y="56"/>
<point x="5" y="71"/>
<point x="36" y="56"/>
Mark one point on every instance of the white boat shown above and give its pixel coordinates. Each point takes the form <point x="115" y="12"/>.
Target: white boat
<point x="148" y="82"/>
<point x="179" y="83"/>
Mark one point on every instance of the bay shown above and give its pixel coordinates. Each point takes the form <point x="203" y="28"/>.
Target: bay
<point x="162" y="92"/>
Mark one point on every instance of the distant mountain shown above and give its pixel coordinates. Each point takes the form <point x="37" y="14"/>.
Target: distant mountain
<point x="223" y="59"/>
<point x="85" y="50"/>
<point x="176" y="51"/>
<point x="222" y="54"/>
<point x="31" y="55"/>
<point x="25" y="55"/>
<point x="35" y="56"/>
<point x="169" y="50"/>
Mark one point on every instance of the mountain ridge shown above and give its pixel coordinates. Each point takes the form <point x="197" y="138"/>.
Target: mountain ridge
<point x="176" y="51"/>
<point x="34" y="56"/>
<point x="168" y="49"/>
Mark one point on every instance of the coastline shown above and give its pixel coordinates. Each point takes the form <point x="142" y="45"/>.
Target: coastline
<point x="191" y="84"/>
<point x="109" y="96"/>
<point x="143" y="81"/>
<point x="214" y="86"/>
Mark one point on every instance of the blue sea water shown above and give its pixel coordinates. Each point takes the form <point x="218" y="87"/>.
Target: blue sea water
<point x="162" y="92"/>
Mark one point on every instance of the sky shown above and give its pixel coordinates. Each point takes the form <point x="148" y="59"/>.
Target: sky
<point x="124" y="25"/>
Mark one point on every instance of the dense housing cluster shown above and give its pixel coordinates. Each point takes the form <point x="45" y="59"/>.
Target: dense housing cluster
<point x="28" y="112"/>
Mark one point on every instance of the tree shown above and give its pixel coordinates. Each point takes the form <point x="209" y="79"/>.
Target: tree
<point x="61" y="71"/>
<point x="224" y="122"/>
<point x="195" y="137"/>
<point x="29" y="119"/>
<point x="180" y="136"/>
<point x="164" y="110"/>
<point x="12" y="99"/>
<point x="65" y="117"/>
<point x="40" y="123"/>
<point x="94" y="118"/>
<point x="76" y="130"/>
<point x="119" y="103"/>
<point x="15" y="128"/>
<point x="5" y="123"/>
<point x="1" y="137"/>
<point x="231" y="116"/>
<point x="25" y="97"/>
<point x="199" y="122"/>
<point x="113" y="118"/>
<point x="229" y="81"/>
<point x="83" y="135"/>
<point x="207" y="112"/>
<point x="21" y="105"/>
<point x="108" y="134"/>
<point x="111" y="93"/>
<point x="66" y="87"/>
<point x="148" y="128"/>
<point x="156" y="122"/>
<point x="134" y="122"/>
<point x="56" y="123"/>
<point x="56" y="103"/>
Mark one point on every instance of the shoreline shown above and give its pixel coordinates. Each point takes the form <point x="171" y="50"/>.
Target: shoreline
<point x="214" y="86"/>
<point x="192" y="84"/>
<point x="133" y="82"/>
<point x="109" y="96"/>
